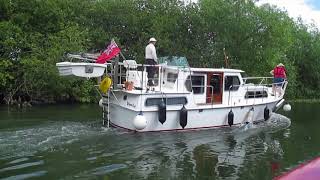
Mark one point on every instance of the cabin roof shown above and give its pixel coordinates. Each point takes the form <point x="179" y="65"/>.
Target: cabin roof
<point x="216" y="70"/>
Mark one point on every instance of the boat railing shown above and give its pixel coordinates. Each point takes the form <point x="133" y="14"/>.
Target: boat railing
<point x="85" y="57"/>
<point x="123" y="67"/>
<point x="260" y="80"/>
<point x="260" y="90"/>
<point x="263" y="81"/>
<point x="208" y="99"/>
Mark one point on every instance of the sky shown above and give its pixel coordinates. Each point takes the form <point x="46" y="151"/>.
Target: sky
<point x="308" y="10"/>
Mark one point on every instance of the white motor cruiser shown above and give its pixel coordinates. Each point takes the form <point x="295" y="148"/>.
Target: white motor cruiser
<point x="183" y="98"/>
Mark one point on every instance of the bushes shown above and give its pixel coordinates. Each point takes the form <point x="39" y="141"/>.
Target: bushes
<point x="34" y="35"/>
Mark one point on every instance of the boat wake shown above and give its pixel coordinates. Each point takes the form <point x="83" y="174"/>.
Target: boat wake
<point x="275" y="123"/>
<point x="28" y="152"/>
<point x="26" y="142"/>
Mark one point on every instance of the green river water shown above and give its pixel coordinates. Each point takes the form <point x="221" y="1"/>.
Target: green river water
<point x="68" y="142"/>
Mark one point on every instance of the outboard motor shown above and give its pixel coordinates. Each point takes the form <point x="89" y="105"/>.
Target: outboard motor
<point x="183" y="117"/>
<point x="162" y="113"/>
<point x="266" y="113"/>
<point x="230" y="118"/>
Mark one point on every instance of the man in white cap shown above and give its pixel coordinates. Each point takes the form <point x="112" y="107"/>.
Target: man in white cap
<point x="151" y="59"/>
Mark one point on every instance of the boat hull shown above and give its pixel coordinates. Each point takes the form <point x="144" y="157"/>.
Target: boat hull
<point x="197" y="118"/>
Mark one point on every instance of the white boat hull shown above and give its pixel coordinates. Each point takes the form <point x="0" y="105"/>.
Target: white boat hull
<point x="197" y="118"/>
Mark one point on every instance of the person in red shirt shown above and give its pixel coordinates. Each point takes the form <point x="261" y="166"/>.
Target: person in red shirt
<point x="279" y="75"/>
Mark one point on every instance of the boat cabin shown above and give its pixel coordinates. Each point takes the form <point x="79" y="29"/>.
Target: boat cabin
<point x="174" y="76"/>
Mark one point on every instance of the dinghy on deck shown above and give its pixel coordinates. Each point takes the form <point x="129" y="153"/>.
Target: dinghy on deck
<point x="81" y="69"/>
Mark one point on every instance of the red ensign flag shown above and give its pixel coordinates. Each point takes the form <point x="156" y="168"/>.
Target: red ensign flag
<point x="111" y="51"/>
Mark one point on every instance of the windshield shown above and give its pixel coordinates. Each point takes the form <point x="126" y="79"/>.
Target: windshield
<point x="174" y="61"/>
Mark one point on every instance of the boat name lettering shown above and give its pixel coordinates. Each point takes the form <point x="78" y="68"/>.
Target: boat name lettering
<point x="131" y="104"/>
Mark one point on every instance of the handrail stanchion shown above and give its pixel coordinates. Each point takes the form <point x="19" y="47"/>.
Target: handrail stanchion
<point x="142" y="72"/>
<point x="247" y="94"/>
<point x="211" y="89"/>
<point x="254" y="94"/>
<point x="116" y="73"/>
<point x="262" y="93"/>
<point x="108" y="102"/>
<point x="160" y="78"/>
<point x="229" y="94"/>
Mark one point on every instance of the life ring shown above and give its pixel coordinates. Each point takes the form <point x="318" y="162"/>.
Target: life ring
<point x="105" y="84"/>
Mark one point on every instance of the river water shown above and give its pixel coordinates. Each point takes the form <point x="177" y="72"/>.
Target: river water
<point x="68" y="142"/>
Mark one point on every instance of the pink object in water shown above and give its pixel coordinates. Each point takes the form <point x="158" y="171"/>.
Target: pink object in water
<point x="307" y="171"/>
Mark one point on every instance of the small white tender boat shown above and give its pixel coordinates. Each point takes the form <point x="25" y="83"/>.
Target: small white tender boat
<point x="88" y="70"/>
<point x="184" y="98"/>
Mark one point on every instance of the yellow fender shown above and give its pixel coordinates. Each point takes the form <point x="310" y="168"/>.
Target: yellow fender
<point x="105" y="84"/>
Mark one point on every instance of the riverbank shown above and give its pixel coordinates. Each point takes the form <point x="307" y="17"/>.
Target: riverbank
<point x="305" y="101"/>
<point x="40" y="103"/>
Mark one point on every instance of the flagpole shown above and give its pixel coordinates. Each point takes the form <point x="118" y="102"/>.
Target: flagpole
<point x="116" y="73"/>
<point x="112" y="40"/>
<point x="122" y="56"/>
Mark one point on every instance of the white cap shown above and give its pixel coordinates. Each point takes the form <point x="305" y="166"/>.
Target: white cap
<point x="280" y="64"/>
<point x="152" y="40"/>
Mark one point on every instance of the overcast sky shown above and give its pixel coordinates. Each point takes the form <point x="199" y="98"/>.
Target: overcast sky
<point x="308" y="10"/>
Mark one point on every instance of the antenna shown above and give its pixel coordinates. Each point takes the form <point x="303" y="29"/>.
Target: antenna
<point x="226" y="58"/>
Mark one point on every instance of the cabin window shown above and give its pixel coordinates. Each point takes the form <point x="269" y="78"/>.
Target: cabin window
<point x="215" y="83"/>
<point x="231" y="83"/>
<point x="198" y="84"/>
<point x="176" y="100"/>
<point x="256" y="94"/>
<point x="172" y="77"/>
<point x="187" y="84"/>
<point x="167" y="101"/>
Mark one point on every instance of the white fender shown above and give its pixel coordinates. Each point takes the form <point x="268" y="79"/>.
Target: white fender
<point x="100" y="102"/>
<point x="287" y="107"/>
<point x="140" y="122"/>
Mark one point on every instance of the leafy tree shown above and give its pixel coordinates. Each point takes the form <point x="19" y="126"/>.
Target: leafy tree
<point x="35" y="35"/>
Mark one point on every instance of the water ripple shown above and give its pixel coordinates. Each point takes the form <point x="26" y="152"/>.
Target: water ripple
<point x="26" y="176"/>
<point x="18" y="160"/>
<point x="107" y="169"/>
<point x="21" y="166"/>
<point x="26" y="142"/>
<point x="102" y="151"/>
